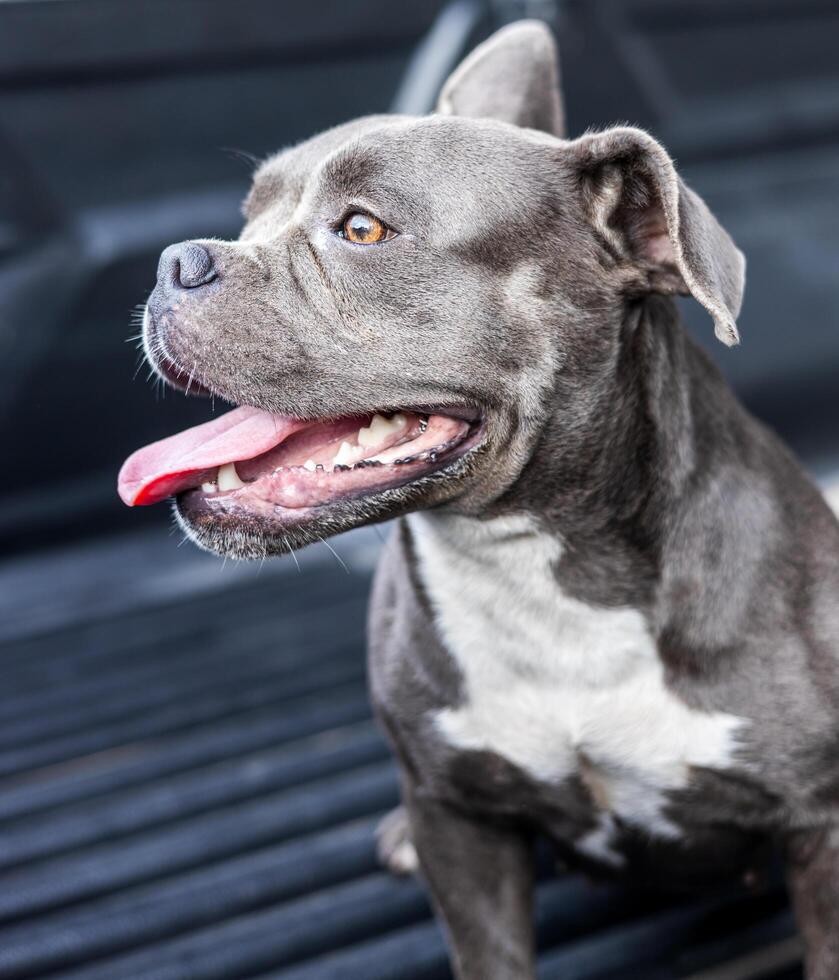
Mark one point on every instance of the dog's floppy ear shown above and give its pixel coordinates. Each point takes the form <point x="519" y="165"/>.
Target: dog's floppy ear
<point x="646" y="215"/>
<point x="512" y="77"/>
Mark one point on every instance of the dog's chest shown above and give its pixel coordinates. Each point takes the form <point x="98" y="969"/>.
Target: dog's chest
<point x="553" y="685"/>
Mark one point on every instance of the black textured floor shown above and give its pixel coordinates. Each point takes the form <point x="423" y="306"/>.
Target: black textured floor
<point x="190" y="778"/>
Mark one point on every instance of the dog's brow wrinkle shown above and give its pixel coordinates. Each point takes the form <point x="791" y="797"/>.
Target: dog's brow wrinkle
<point x="318" y="264"/>
<point x="292" y="274"/>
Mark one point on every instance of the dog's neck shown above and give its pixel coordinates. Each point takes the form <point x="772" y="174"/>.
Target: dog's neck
<point x="605" y="480"/>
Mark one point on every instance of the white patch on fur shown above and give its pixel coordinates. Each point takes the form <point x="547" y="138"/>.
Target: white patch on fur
<point x="404" y="859"/>
<point x="522" y="289"/>
<point x="550" y="680"/>
<point x="394" y="844"/>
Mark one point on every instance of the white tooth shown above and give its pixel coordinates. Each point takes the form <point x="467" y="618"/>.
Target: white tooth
<point x="228" y="478"/>
<point x="309" y="465"/>
<point x="365" y="437"/>
<point x="209" y="487"/>
<point x="344" y="455"/>
<point x="380" y="428"/>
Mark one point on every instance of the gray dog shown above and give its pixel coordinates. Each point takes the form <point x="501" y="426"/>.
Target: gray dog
<point x="610" y="614"/>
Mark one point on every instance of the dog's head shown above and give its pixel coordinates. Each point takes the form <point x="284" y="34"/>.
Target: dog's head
<point x="403" y="301"/>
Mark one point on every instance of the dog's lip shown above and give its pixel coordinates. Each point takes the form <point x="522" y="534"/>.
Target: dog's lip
<point x="178" y="377"/>
<point x="185" y="381"/>
<point x="467" y="413"/>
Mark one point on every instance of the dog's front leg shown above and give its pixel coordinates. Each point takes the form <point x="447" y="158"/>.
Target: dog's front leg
<point x="481" y="882"/>
<point x="813" y="875"/>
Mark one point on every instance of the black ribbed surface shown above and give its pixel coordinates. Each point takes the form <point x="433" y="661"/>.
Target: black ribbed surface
<point x="190" y="778"/>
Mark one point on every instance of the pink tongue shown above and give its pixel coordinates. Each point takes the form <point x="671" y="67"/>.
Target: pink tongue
<point x="165" y="468"/>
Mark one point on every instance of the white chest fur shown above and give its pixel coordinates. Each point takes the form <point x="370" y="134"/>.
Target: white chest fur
<point x="552" y="684"/>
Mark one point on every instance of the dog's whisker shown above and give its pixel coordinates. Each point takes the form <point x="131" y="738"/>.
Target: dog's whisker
<point x="338" y="558"/>
<point x="292" y="552"/>
<point x="191" y="377"/>
<point x="244" y="156"/>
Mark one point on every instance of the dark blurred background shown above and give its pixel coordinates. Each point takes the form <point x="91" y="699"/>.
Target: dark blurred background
<point x="174" y="736"/>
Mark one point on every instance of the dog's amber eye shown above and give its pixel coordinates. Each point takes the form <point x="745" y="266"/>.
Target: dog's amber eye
<point x="364" y="229"/>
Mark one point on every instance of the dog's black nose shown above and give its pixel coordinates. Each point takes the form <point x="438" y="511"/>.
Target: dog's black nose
<point x="186" y="265"/>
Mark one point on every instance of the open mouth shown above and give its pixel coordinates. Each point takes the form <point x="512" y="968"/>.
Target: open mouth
<point x="254" y="461"/>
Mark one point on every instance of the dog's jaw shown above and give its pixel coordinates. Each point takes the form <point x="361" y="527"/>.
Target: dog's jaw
<point x="252" y="536"/>
<point x="250" y="522"/>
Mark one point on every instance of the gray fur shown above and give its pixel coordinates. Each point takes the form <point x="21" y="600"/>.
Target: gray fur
<point x="532" y="277"/>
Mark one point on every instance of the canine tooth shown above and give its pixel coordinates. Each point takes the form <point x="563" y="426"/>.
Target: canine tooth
<point x="309" y="465"/>
<point x="228" y="478"/>
<point x="344" y="455"/>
